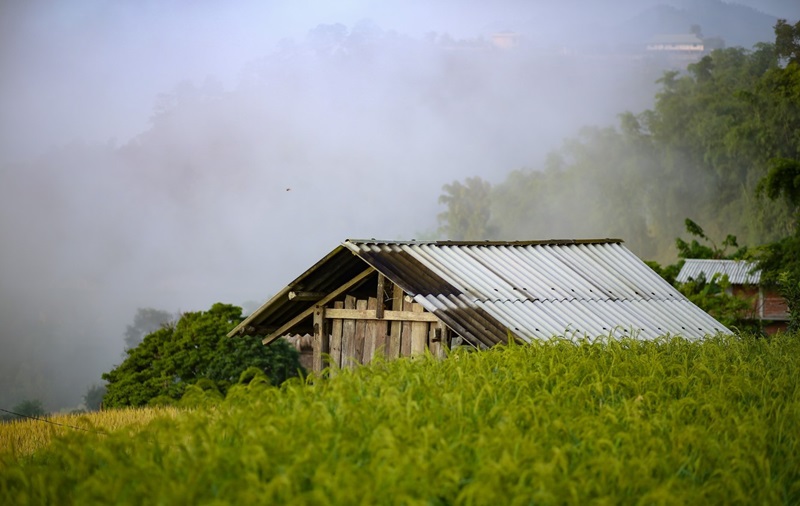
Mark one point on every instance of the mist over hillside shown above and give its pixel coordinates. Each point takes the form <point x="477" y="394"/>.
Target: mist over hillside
<point x="171" y="155"/>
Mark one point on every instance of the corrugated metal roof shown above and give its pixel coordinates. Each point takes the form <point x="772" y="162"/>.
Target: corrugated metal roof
<point x="738" y="271"/>
<point x="537" y="289"/>
<point x="482" y="290"/>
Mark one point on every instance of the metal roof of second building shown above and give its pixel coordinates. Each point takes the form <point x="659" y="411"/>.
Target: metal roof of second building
<point x="533" y="289"/>
<point x="739" y="272"/>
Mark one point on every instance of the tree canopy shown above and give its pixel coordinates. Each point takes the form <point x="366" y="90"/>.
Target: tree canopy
<point x="195" y="350"/>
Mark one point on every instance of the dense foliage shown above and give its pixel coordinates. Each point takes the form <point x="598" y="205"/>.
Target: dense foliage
<point x="627" y="422"/>
<point x="195" y="350"/>
<point x="720" y="136"/>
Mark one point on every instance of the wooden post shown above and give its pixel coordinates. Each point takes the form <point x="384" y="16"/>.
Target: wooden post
<point x="444" y="339"/>
<point x="348" y="335"/>
<point x="361" y="331"/>
<point x="379" y="307"/>
<point x="393" y="348"/>
<point x="370" y="332"/>
<point x="434" y="339"/>
<point x="419" y="333"/>
<point x="405" y="334"/>
<point x="321" y="339"/>
<point x="336" y="338"/>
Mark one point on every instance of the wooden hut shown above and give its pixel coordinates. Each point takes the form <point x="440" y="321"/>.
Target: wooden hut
<point x="397" y="298"/>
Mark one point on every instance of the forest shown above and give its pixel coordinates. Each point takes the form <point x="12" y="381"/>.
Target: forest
<point x="720" y="146"/>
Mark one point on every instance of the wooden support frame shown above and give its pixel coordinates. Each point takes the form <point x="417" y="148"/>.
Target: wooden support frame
<point x="306" y="296"/>
<point x="308" y="312"/>
<point x="371" y="314"/>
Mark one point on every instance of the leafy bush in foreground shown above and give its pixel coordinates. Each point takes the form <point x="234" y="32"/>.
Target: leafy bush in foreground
<point x="195" y="349"/>
<point x="712" y="422"/>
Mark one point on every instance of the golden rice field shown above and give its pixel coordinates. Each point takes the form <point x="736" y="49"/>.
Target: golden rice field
<point x="621" y="422"/>
<point x="24" y="437"/>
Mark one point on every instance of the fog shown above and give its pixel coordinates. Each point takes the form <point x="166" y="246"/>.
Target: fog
<point x="175" y="154"/>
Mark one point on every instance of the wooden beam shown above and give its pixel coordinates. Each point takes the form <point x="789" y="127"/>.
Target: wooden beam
<point x="308" y="312"/>
<point x="306" y="296"/>
<point x="370" y="314"/>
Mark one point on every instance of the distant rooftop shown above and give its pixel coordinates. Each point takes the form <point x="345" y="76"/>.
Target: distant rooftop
<point x="676" y="38"/>
<point x="738" y="271"/>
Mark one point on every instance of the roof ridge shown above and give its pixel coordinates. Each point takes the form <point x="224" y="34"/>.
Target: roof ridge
<point x="543" y="242"/>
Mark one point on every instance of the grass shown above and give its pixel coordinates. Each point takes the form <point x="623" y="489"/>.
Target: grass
<point x="666" y="422"/>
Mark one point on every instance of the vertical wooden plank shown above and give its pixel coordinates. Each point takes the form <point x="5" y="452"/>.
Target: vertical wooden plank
<point x="393" y="347"/>
<point x="361" y="330"/>
<point x="419" y="333"/>
<point x="379" y="307"/>
<point x="445" y="336"/>
<point x="405" y="334"/>
<point x="321" y="343"/>
<point x="434" y="342"/>
<point x="348" y="335"/>
<point x="336" y="338"/>
<point x="370" y="336"/>
<point x="381" y="337"/>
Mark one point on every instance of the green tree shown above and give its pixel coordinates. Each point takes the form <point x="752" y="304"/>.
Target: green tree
<point x="196" y="348"/>
<point x="93" y="399"/>
<point x="710" y="250"/>
<point x="145" y="321"/>
<point x="31" y="407"/>
<point x="787" y="41"/>
<point x="468" y="210"/>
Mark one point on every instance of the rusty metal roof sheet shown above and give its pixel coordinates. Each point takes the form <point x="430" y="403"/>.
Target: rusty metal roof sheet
<point x="739" y="272"/>
<point x="533" y="289"/>
<point x="538" y="289"/>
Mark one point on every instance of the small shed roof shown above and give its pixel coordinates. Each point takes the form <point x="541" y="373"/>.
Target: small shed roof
<point x="739" y="272"/>
<point x="534" y="289"/>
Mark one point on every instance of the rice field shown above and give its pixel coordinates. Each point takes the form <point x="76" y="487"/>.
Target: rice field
<point x="24" y="436"/>
<point x="619" y="422"/>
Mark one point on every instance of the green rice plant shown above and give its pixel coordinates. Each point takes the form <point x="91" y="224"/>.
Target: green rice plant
<point x="589" y="422"/>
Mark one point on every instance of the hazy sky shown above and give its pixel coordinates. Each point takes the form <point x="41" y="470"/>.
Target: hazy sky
<point x="108" y="205"/>
<point x="90" y="69"/>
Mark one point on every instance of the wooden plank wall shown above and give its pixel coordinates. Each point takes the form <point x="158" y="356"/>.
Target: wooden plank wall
<point x="354" y="341"/>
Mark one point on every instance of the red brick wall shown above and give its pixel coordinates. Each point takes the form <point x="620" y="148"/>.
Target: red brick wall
<point x="774" y="306"/>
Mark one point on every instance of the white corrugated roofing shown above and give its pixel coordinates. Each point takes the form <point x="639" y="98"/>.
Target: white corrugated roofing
<point x="541" y="289"/>
<point x="738" y="271"/>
